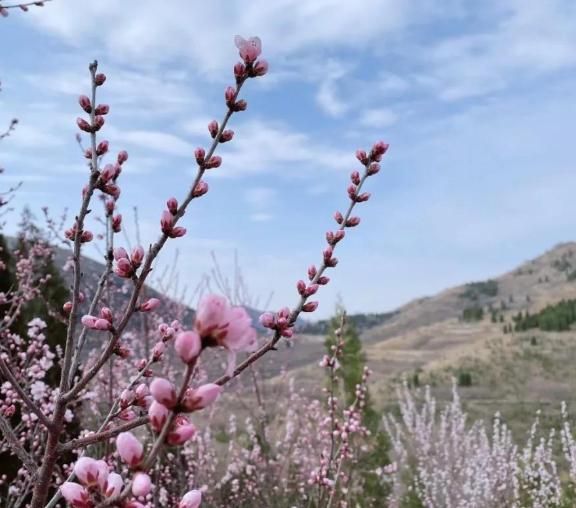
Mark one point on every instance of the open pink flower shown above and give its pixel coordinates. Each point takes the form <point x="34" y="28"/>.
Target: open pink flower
<point x="212" y="317"/>
<point x="249" y="49"/>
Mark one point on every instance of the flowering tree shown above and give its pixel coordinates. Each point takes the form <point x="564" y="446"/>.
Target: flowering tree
<point x="118" y="455"/>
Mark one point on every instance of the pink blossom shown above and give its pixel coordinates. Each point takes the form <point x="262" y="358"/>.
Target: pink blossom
<point x="120" y="253"/>
<point x="124" y="268"/>
<point x="191" y="499"/>
<point x="76" y="495"/>
<point x="122" y="156"/>
<point x="113" y="485"/>
<point x="163" y="391"/>
<point x="250" y="49"/>
<point x="158" y="414"/>
<point x="137" y="256"/>
<point x="141" y="485"/>
<point x="188" y="346"/>
<point x="129" y="448"/>
<point x="90" y="471"/>
<point x="181" y="431"/>
<point x="172" y="205"/>
<point x="89" y="321"/>
<point x="241" y="336"/>
<point x="212" y="317"/>
<point x="166" y="221"/>
<point x="201" y="397"/>
<point x="150" y="305"/>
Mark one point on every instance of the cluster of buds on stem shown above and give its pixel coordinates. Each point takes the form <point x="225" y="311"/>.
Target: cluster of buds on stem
<point x="126" y="266"/>
<point x="283" y="321"/>
<point x="102" y="322"/>
<point x="4" y="9"/>
<point x="169" y="218"/>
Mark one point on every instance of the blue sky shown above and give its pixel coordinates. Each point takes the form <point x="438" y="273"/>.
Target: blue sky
<point x="477" y="100"/>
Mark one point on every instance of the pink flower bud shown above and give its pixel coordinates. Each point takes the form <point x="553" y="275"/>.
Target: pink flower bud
<point x="158" y="351"/>
<point x="239" y="71"/>
<point x="213" y="128"/>
<point x="188" y="346"/>
<point x="141" y="391"/>
<point x="150" y="305"/>
<point x="124" y="268"/>
<point x="352" y="221"/>
<point x="201" y="397"/>
<point x="87" y="152"/>
<point x="267" y="320"/>
<point x="229" y="95"/>
<point x="129" y="448"/>
<point x="107" y="173"/>
<point x="106" y="313"/>
<point x="177" y="232"/>
<point x="373" y="168"/>
<point x="83" y="125"/>
<point x="4" y="12"/>
<point x="99" y="121"/>
<point x="310" y="306"/>
<point x="287" y="332"/>
<point x="200" y="189"/>
<point x="90" y="471"/>
<point x="126" y="398"/>
<point x="200" y="153"/>
<point x="122" y="157"/>
<point x="102" y="109"/>
<point x="312" y="272"/>
<point x="110" y="206"/>
<point x="113" y="485"/>
<point x="75" y="494"/>
<point x="102" y="147"/>
<point x="163" y="391"/>
<point x="117" y="223"/>
<point x="141" y="484"/>
<point x="67" y="307"/>
<point x="191" y="499"/>
<point x="352" y="192"/>
<point x="85" y="103"/>
<point x="226" y="136"/>
<point x="158" y="414"/>
<point x="166" y="221"/>
<point x="212" y="316"/>
<point x="102" y="324"/>
<point x="379" y="149"/>
<point x="99" y="79"/>
<point x="120" y="253"/>
<point x="260" y="68"/>
<point x="365" y="196"/>
<point x="361" y="156"/>
<point x="332" y="262"/>
<point x="89" y="321"/>
<point x="338" y="217"/>
<point x="214" y="162"/>
<point x="172" y="205"/>
<point x="86" y="236"/>
<point x="355" y="177"/>
<point x="180" y="433"/>
<point x="137" y="256"/>
<point x="240" y="105"/>
<point x="301" y="287"/>
<point x="310" y="290"/>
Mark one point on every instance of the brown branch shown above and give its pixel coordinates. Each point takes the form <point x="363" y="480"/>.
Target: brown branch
<point x="102" y="436"/>
<point x="16" y="447"/>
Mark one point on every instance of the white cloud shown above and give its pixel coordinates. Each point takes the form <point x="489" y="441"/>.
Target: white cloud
<point x="260" y="197"/>
<point x="378" y="118"/>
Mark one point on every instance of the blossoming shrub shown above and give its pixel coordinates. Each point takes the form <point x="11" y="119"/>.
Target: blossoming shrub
<point x="136" y="403"/>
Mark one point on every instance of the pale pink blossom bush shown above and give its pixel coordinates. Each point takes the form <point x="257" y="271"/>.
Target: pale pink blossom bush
<point x="440" y="459"/>
<point x="123" y="385"/>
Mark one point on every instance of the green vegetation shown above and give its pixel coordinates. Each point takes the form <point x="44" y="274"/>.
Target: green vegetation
<point x="558" y="317"/>
<point x="475" y="313"/>
<point x="474" y="290"/>
<point x="360" y="322"/>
